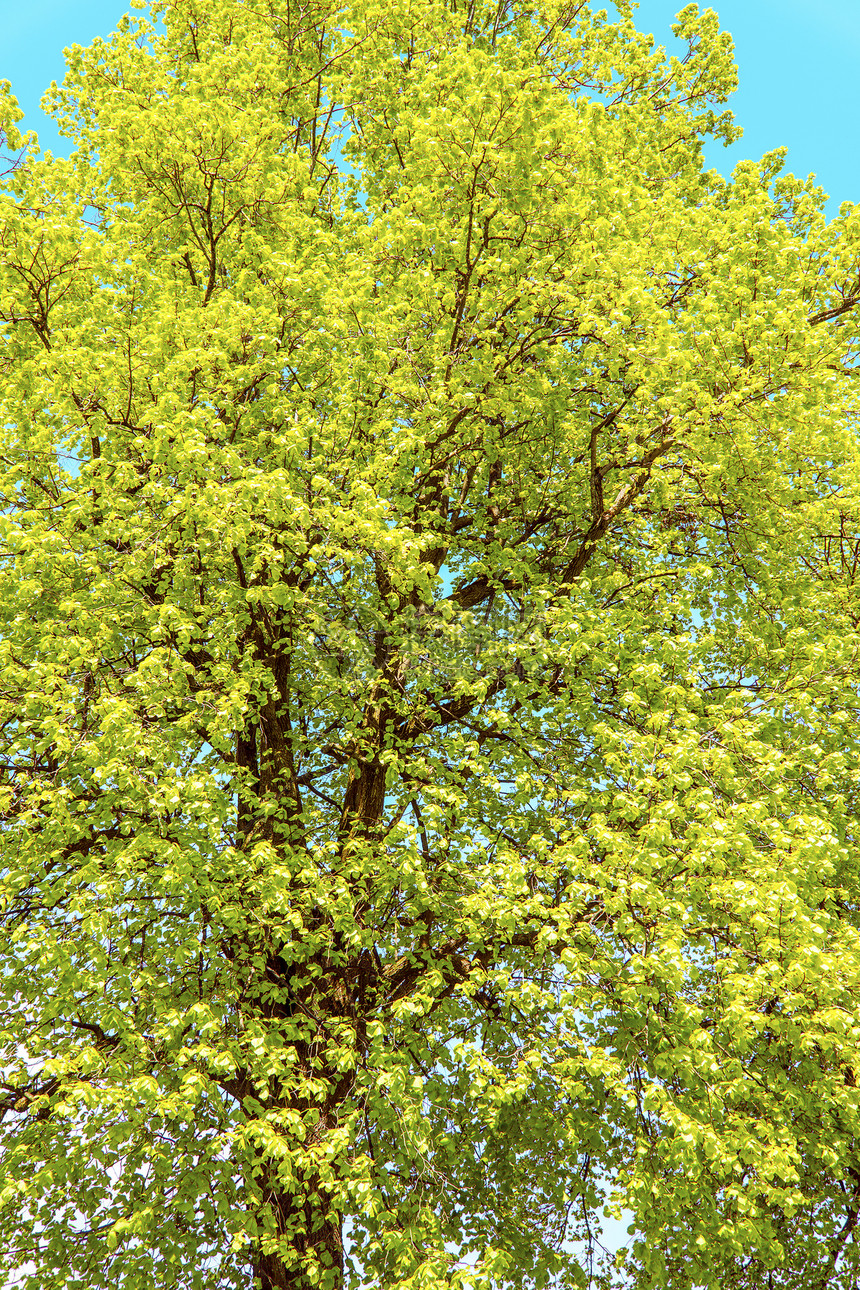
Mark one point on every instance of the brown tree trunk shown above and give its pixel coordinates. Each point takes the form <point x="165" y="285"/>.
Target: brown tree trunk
<point x="318" y="1240"/>
<point x="305" y="1220"/>
<point x="305" y="1217"/>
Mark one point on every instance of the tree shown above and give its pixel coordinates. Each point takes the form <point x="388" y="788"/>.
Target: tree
<point x="430" y="667"/>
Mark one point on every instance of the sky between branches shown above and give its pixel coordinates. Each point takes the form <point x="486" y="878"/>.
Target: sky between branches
<point x="798" y="63"/>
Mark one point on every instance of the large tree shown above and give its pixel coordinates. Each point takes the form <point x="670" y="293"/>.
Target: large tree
<point x="428" y="614"/>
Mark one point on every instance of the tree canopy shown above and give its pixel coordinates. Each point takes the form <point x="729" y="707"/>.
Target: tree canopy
<point x="428" y="613"/>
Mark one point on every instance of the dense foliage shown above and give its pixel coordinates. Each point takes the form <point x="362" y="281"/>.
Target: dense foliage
<point x="428" y="614"/>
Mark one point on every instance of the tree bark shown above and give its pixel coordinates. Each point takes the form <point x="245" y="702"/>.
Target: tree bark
<point x="314" y="1236"/>
<point x="304" y="1217"/>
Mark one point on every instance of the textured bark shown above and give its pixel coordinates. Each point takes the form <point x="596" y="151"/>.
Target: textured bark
<point x="304" y="1218"/>
<point x="319" y="1235"/>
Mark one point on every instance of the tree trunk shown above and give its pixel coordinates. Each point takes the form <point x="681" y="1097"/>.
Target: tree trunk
<point x="304" y="1216"/>
<point x="317" y="1240"/>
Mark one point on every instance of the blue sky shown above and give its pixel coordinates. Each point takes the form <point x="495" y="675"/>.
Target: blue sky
<point x="799" y="66"/>
<point x="799" y="70"/>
